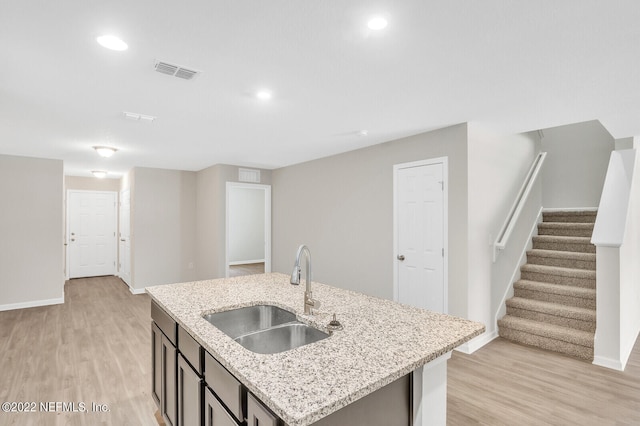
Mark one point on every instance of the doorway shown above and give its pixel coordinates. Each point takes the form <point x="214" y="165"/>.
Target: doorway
<point x="420" y="234"/>
<point x="124" y="252"/>
<point x="91" y="233"/>
<point x="248" y="229"/>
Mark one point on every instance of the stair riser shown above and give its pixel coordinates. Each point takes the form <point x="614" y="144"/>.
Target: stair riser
<point x="554" y="345"/>
<point x="561" y="246"/>
<point x="552" y="319"/>
<point x="586" y="218"/>
<point x="577" y="302"/>
<point x="558" y="279"/>
<point x="589" y="265"/>
<point x="565" y="232"/>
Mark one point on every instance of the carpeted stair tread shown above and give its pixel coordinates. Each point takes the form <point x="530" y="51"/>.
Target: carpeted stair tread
<point x="558" y="289"/>
<point x="570" y="216"/>
<point x="556" y="309"/>
<point x="558" y="275"/>
<point x="522" y="337"/>
<point x="568" y="229"/>
<point x="566" y="259"/>
<point x="563" y="243"/>
<point x="551" y="331"/>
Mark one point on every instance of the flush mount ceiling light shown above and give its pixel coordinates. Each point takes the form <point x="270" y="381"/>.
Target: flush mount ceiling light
<point x="264" y="95"/>
<point x="362" y="133"/>
<point x="377" y="23"/>
<point x="105" y="151"/>
<point x="112" y="42"/>
<point x="99" y="173"/>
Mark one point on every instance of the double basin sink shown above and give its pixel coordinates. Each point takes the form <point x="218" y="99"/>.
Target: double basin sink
<point x="265" y="329"/>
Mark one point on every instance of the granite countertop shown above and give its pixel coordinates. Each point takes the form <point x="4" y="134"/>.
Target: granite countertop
<point x="381" y="341"/>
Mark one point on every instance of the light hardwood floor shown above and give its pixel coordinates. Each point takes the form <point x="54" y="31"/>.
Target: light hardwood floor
<point x="93" y="348"/>
<point x="246" y="269"/>
<point x="508" y="384"/>
<point x="96" y="348"/>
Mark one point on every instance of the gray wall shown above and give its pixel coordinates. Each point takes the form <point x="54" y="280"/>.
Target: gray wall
<point x="91" y="184"/>
<point x="164" y="226"/>
<point x="342" y="208"/>
<point x="498" y="165"/>
<point x="210" y="217"/>
<point x="577" y="160"/>
<point x="31" y="247"/>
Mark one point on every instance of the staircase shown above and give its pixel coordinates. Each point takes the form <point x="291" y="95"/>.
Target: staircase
<point x="554" y="302"/>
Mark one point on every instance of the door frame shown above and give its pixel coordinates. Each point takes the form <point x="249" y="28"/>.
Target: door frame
<point x="67" y="219"/>
<point x="119" y="237"/>
<point x="445" y="223"/>
<point x="267" y="223"/>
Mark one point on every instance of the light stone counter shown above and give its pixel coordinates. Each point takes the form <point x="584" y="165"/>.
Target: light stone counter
<point x="381" y="341"/>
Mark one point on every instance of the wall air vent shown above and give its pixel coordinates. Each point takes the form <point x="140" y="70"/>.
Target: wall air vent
<point x="249" y="175"/>
<point x="176" y="70"/>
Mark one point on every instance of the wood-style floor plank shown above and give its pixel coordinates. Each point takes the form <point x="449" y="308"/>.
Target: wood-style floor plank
<point x="508" y="384"/>
<point x="95" y="348"/>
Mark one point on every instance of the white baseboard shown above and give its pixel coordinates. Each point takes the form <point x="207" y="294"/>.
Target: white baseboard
<point x="32" y="304"/>
<point x="614" y="364"/>
<point x="246" y="262"/>
<point x="570" y="209"/>
<point x="136" y="290"/>
<point x="476" y="343"/>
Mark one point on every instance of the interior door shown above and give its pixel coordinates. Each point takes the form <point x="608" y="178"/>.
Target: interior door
<point x="420" y="225"/>
<point x="91" y="233"/>
<point x="125" y="237"/>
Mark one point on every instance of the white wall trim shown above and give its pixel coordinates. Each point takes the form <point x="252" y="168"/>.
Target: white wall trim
<point x="246" y="262"/>
<point x="136" y="290"/>
<point x="570" y="209"/>
<point x="477" y="342"/>
<point x="445" y="222"/>
<point x="33" y="304"/>
<point x="611" y="363"/>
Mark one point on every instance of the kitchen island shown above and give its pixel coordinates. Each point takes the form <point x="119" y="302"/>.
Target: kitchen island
<point x="381" y="343"/>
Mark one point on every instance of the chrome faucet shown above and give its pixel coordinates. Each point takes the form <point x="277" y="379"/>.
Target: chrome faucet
<point x="309" y="302"/>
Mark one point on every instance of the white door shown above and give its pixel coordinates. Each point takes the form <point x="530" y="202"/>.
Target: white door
<point x="91" y="233"/>
<point x="125" y="240"/>
<point x="420" y="221"/>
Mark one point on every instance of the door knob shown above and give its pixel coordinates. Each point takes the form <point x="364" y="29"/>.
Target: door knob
<point x="400" y="257"/>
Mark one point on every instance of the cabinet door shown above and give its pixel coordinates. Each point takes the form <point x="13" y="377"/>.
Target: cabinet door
<point x="258" y="415"/>
<point x="189" y="395"/>
<point x="214" y="412"/>
<point x="156" y="363"/>
<point x="169" y="395"/>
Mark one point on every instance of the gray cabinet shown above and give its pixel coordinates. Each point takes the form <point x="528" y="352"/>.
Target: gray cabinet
<point x="258" y="414"/>
<point x="168" y="405"/>
<point x="214" y="413"/>
<point x="189" y="395"/>
<point x="164" y="363"/>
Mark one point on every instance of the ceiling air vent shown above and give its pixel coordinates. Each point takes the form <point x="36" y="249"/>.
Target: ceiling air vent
<point x="176" y="70"/>
<point x="249" y="175"/>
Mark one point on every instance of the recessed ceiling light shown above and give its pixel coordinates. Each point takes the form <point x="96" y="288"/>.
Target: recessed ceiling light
<point x="105" y="151"/>
<point x="99" y="173"/>
<point x="377" y="23"/>
<point x="362" y="133"/>
<point x="112" y="42"/>
<point x="264" y="95"/>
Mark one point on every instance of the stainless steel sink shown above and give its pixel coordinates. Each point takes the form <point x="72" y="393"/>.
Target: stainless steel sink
<point x="265" y="329"/>
<point x="281" y="338"/>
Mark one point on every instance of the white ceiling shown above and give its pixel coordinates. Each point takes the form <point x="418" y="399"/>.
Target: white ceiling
<point x="517" y="65"/>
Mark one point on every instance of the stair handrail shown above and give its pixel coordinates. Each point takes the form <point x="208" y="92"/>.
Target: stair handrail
<point x="518" y="204"/>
